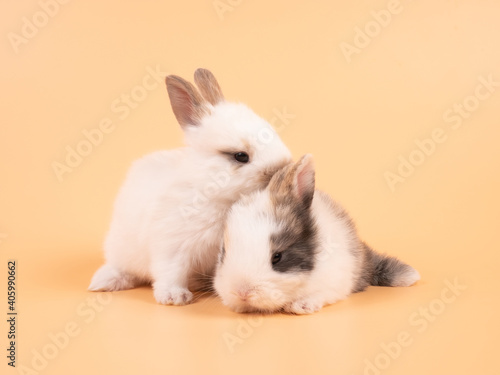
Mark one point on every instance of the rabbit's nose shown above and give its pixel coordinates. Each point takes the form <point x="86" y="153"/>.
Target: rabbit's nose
<point x="245" y="293"/>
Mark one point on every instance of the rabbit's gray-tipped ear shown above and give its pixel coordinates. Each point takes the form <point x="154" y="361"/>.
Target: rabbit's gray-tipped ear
<point x="304" y="181"/>
<point x="208" y="85"/>
<point x="188" y="105"/>
<point x="295" y="181"/>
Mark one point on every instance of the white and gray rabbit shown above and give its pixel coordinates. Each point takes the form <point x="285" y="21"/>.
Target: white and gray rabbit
<point x="169" y="215"/>
<point x="292" y="248"/>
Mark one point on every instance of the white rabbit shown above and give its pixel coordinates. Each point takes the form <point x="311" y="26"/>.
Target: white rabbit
<point x="169" y="215"/>
<point x="291" y="248"/>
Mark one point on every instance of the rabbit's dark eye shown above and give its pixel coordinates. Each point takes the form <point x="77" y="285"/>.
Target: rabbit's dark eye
<point x="276" y="258"/>
<point x="242" y="157"/>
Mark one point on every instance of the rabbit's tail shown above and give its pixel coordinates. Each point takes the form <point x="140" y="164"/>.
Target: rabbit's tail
<point x="384" y="270"/>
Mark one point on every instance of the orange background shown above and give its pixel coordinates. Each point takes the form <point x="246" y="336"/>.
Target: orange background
<point x="358" y="113"/>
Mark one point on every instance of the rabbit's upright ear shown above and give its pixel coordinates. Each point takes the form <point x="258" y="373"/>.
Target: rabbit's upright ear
<point x="304" y="177"/>
<point x="294" y="183"/>
<point x="208" y="86"/>
<point x="188" y="105"/>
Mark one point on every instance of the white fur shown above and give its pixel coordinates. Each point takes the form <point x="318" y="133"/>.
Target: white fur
<point x="169" y="215"/>
<point x="247" y="266"/>
<point x="409" y="278"/>
<point x="245" y="278"/>
<point x="335" y="269"/>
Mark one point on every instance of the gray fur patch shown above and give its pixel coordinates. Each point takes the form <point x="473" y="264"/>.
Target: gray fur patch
<point x="297" y="241"/>
<point x="222" y="254"/>
<point x="380" y="270"/>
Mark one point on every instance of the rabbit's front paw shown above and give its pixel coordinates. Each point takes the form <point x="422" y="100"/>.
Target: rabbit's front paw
<point x="173" y="296"/>
<point x="303" y="306"/>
